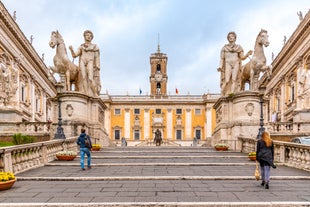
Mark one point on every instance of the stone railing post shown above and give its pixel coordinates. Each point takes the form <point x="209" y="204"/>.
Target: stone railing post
<point x="7" y="159"/>
<point x="44" y="154"/>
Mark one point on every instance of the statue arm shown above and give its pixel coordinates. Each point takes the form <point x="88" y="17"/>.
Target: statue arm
<point x="222" y="61"/>
<point x="243" y="57"/>
<point x="74" y="54"/>
<point x="97" y="59"/>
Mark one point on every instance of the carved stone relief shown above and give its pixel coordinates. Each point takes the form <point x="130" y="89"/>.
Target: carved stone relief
<point x="249" y="108"/>
<point x="69" y="110"/>
<point x="8" y="79"/>
<point x="101" y="116"/>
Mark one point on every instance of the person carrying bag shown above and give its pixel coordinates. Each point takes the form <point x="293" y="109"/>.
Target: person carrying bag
<point x="85" y="147"/>
<point x="265" y="157"/>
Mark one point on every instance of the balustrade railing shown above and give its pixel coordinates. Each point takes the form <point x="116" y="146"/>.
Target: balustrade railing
<point x="287" y="153"/>
<point x="26" y="127"/>
<point x="284" y="127"/>
<point x="21" y="158"/>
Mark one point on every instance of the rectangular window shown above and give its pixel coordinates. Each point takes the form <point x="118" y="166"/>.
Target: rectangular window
<point x="136" y="111"/>
<point x="179" y="111"/>
<point x="117" y="134"/>
<point x="117" y="111"/>
<point x="23" y="94"/>
<point x="179" y="134"/>
<point x="137" y="134"/>
<point x="198" y="133"/>
<point x="37" y="105"/>
<point x="197" y="111"/>
<point x="292" y="93"/>
<point x="158" y="111"/>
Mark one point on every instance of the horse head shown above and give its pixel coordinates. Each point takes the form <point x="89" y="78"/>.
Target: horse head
<point x="262" y="38"/>
<point x="56" y="39"/>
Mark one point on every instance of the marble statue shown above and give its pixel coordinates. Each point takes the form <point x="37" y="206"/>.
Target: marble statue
<point x="89" y="64"/>
<point x="251" y="70"/>
<point x="230" y="64"/>
<point x="300" y="16"/>
<point x="62" y="64"/>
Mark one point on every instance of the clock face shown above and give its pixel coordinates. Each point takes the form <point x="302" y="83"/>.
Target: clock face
<point x="158" y="76"/>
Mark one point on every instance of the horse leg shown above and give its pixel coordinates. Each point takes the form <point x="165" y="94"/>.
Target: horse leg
<point x="68" y="80"/>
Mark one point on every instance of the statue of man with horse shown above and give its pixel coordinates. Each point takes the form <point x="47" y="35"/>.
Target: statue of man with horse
<point x="234" y="76"/>
<point x="86" y="76"/>
<point x="158" y="139"/>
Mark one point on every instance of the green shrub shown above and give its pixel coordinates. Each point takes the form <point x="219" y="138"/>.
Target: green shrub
<point x="22" y="139"/>
<point x="17" y="138"/>
<point x="6" y="144"/>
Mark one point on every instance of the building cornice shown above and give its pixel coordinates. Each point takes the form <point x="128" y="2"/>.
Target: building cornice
<point x="15" y="34"/>
<point x="295" y="40"/>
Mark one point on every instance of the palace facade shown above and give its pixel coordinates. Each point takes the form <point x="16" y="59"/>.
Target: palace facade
<point x="287" y="91"/>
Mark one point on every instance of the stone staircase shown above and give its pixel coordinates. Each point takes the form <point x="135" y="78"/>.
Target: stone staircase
<point x="158" y="176"/>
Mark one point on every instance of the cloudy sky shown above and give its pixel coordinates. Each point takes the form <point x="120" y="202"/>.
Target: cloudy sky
<point x="191" y="33"/>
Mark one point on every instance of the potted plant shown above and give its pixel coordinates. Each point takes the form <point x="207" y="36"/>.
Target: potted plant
<point x="7" y="180"/>
<point x="96" y="147"/>
<point x="221" y="146"/>
<point x="252" y="156"/>
<point x="66" y="155"/>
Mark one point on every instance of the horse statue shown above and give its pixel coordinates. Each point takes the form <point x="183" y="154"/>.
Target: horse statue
<point x="62" y="63"/>
<point x="158" y="140"/>
<point x="250" y="71"/>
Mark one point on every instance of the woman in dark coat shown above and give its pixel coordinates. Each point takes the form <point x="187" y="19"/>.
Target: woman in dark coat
<point x="265" y="156"/>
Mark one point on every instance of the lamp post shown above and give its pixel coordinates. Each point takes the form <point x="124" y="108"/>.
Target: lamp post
<point x="60" y="131"/>
<point x="261" y="120"/>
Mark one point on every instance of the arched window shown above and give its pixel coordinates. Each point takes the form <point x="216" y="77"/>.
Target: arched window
<point x="158" y="88"/>
<point x="158" y="68"/>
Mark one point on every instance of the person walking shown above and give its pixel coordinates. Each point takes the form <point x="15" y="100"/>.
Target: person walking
<point x="265" y="157"/>
<point x="85" y="146"/>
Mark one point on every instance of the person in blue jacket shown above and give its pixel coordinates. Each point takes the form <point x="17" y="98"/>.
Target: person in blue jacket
<point x="85" y="147"/>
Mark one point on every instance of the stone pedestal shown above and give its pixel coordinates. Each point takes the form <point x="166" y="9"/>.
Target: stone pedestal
<point x="237" y="115"/>
<point x="301" y="120"/>
<point x="81" y="111"/>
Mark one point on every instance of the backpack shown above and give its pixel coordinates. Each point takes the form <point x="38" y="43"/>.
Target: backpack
<point x="87" y="142"/>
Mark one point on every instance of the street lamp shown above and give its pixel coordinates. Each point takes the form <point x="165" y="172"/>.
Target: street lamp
<point x="261" y="101"/>
<point x="60" y="131"/>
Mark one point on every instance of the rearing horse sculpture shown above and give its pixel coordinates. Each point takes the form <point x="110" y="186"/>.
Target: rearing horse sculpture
<point x="62" y="63"/>
<point x="251" y="70"/>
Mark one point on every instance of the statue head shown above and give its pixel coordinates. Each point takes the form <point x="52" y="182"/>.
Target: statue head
<point x="231" y="33"/>
<point x="90" y="32"/>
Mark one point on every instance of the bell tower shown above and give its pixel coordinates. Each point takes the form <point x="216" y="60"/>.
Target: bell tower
<point x="158" y="77"/>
